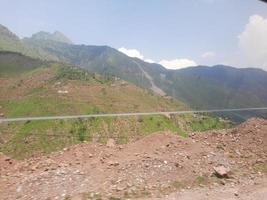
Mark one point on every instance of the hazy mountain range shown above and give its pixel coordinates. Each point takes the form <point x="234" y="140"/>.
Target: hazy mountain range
<point x="199" y="87"/>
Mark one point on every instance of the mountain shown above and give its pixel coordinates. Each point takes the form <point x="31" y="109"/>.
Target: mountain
<point x="219" y="87"/>
<point x="199" y="87"/>
<point x="100" y="59"/>
<point x="7" y="34"/>
<point x="9" y="41"/>
<point x="56" y="36"/>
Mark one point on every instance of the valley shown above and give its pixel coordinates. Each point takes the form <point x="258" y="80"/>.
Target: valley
<point x="197" y="155"/>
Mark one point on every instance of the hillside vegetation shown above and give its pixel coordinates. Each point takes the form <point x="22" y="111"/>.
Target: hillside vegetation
<point x="35" y="88"/>
<point x="67" y="88"/>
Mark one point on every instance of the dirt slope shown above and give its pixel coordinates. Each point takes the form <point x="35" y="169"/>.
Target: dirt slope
<point x="256" y="189"/>
<point x="161" y="165"/>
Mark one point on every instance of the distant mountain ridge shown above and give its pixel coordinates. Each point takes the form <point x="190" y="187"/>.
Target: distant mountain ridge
<point x="220" y="86"/>
<point x="56" y="36"/>
<point x="10" y="41"/>
<point x="200" y="87"/>
<point x="5" y="32"/>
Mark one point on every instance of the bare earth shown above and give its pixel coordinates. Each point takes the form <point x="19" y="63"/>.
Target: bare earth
<point x="159" y="166"/>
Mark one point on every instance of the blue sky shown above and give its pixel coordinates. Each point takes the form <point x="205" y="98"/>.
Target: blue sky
<point x="173" y="32"/>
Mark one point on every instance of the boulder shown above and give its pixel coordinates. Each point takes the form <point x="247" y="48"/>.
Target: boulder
<point x="222" y="172"/>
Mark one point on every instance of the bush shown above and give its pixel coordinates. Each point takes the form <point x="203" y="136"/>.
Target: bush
<point x="73" y="73"/>
<point x="79" y="129"/>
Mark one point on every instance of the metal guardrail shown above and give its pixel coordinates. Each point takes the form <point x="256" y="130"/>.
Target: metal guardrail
<point x="129" y="114"/>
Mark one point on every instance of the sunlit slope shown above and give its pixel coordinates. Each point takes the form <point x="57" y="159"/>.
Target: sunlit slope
<point x="199" y="87"/>
<point x="36" y="88"/>
<point x="42" y="88"/>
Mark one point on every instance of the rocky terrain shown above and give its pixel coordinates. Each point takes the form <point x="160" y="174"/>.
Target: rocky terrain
<point x="224" y="164"/>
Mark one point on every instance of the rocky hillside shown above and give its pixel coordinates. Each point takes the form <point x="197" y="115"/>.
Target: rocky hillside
<point x="161" y="165"/>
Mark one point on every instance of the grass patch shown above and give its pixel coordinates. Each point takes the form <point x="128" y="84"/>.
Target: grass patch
<point x="79" y="129"/>
<point x="150" y="124"/>
<point x="73" y="73"/>
<point x="114" y="198"/>
<point x="207" y="122"/>
<point x="202" y="180"/>
<point x="141" y="193"/>
<point x="178" y="185"/>
<point x="40" y="137"/>
<point x="34" y="137"/>
<point x="26" y="139"/>
<point x="206" y="179"/>
<point x="260" y="168"/>
<point x="92" y="196"/>
<point x="45" y="106"/>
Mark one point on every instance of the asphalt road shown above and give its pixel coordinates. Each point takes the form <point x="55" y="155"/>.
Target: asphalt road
<point x="127" y="114"/>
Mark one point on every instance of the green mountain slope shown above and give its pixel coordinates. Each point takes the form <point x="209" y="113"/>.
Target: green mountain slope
<point x="220" y="86"/>
<point x="200" y="87"/>
<point x="9" y="41"/>
<point x="38" y="88"/>
<point x="31" y="79"/>
<point x="100" y="59"/>
<point x="19" y="64"/>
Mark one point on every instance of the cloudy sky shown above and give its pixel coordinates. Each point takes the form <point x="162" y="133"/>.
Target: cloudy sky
<point x="174" y="33"/>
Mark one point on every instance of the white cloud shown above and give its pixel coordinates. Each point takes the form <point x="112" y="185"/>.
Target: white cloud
<point x="208" y="54"/>
<point x="169" y="64"/>
<point x="131" y="53"/>
<point x="177" y="63"/>
<point x="135" y="54"/>
<point x="149" y="61"/>
<point x="253" y="42"/>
